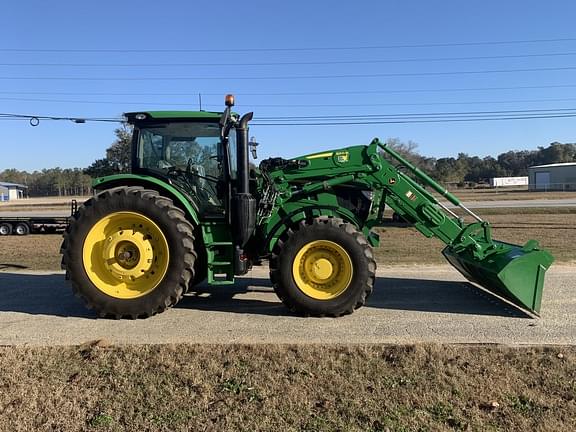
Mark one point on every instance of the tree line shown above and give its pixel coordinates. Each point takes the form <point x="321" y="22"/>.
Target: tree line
<point x="471" y="170"/>
<point x="50" y="182"/>
<point x="75" y="181"/>
<point x="461" y="170"/>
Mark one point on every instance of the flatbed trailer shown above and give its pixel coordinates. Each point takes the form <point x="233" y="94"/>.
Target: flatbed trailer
<point x="24" y="225"/>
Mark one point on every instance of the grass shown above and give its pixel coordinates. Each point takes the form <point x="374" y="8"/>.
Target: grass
<point x="288" y="388"/>
<point x="502" y="194"/>
<point x="34" y="252"/>
<point x="555" y="229"/>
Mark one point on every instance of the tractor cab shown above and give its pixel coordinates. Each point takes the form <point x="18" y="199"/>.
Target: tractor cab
<point x="202" y="156"/>
<point x="187" y="149"/>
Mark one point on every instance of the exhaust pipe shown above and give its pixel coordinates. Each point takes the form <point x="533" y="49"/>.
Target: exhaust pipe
<point x="242" y="152"/>
<point x="243" y="203"/>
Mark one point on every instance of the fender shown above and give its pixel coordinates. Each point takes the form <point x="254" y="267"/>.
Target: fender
<point x="149" y="182"/>
<point x="278" y="227"/>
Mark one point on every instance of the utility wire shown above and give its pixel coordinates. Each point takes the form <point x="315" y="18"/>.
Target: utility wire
<point x="325" y="123"/>
<point x="292" y="77"/>
<point x="312" y="93"/>
<point x="4" y="116"/>
<point x="369" y="119"/>
<point x="284" y="49"/>
<point x="308" y="105"/>
<point x="412" y="121"/>
<point x="296" y="63"/>
<point x="426" y="114"/>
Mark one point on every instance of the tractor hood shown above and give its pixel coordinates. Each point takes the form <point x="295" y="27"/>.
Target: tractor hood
<point x="350" y="159"/>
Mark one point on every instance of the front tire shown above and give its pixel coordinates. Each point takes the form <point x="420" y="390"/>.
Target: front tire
<point x="129" y="253"/>
<point x="325" y="268"/>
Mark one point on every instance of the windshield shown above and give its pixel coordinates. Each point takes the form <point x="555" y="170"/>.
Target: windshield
<point x="189" y="153"/>
<point x="185" y="146"/>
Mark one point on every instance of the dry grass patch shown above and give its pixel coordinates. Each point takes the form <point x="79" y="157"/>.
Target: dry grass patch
<point x="35" y="252"/>
<point x="555" y="231"/>
<point x="288" y="388"/>
<point x="505" y="194"/>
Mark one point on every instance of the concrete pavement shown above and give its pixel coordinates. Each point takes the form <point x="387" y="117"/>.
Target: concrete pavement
<point x="409" y="304"/>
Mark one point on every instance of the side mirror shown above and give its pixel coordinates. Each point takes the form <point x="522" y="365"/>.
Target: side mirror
<point x="253" y="144"/>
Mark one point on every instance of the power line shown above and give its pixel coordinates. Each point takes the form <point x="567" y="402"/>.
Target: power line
<point x="76" y="119"/>
<point x="367" y="119"/>
<point x="327" y="123"/>
<point x="292" y="77"/>
<point x="357" y="123"/>
<point x="426" y="114"/>
<point x="307" y="93"/>
<point x="307" y="105"/>
<point x="412" y="121"/>
<point x="283" y="49"/>
<point x="296" y="63"/>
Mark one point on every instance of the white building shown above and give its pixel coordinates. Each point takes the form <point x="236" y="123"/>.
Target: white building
<point x="11" y="191"/>
<point x="558" y="176"/>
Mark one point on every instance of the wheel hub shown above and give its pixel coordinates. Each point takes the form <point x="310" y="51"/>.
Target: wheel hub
<point x="125" y="255"/>
<point x="322" y="269"/>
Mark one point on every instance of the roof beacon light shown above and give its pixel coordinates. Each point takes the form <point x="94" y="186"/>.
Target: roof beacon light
<point x="229" y="100"/>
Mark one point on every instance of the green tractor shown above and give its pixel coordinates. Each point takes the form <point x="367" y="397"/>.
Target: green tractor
<point x="194" y="209"/>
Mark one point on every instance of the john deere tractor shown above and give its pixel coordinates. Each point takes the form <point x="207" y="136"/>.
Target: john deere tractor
<point x="194" y="209"/>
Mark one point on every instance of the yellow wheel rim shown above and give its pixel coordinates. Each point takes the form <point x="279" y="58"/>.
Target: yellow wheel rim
<point x="125" y="255"/>
<point x="322" y="270"/>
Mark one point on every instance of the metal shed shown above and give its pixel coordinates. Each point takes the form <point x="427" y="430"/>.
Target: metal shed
<point x="11" y="191"/>
<point x="558" y="176"/>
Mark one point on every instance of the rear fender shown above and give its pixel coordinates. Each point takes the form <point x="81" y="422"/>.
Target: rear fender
<point x="165" y="189"/>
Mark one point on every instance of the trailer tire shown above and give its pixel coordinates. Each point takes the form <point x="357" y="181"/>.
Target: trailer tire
<point x="129" y="253"/>
<point x="5" y="229"/>
<point x="323" y="268"/>
<point x="22" y="229"/>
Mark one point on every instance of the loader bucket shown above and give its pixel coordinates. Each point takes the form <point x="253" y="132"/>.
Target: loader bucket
<point x="515" y="273"/>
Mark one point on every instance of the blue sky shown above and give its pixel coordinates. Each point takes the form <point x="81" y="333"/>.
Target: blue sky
<point x="258" y="25"/>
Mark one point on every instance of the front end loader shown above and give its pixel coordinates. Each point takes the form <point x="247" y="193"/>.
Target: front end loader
<point x="194" y="209"/>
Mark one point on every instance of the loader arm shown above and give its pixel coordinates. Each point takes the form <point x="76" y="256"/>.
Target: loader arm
<point x="513" y="272"/>
<point x="510" y="271"/>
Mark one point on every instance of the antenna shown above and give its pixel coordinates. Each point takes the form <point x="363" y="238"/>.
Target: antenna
<point x="200" y="100"/>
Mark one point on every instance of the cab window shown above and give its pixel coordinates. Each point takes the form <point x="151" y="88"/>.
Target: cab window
<point x="187" y="152"/>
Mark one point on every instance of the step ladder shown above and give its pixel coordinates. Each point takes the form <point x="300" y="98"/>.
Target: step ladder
<point x="219" y="252"/>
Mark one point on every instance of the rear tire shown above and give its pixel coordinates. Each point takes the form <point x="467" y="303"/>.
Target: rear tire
<point x="326" y="268"/>
<point x="200" y="269"/>
<point x="5" y="229"/>
<point x="129" y="253"/>
<point x="22" y="229"/>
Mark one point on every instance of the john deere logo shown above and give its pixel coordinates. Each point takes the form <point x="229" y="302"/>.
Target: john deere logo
<point x="342" y="157"/>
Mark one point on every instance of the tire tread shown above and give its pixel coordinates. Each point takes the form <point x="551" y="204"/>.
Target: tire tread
<point x="73" y="264"/>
